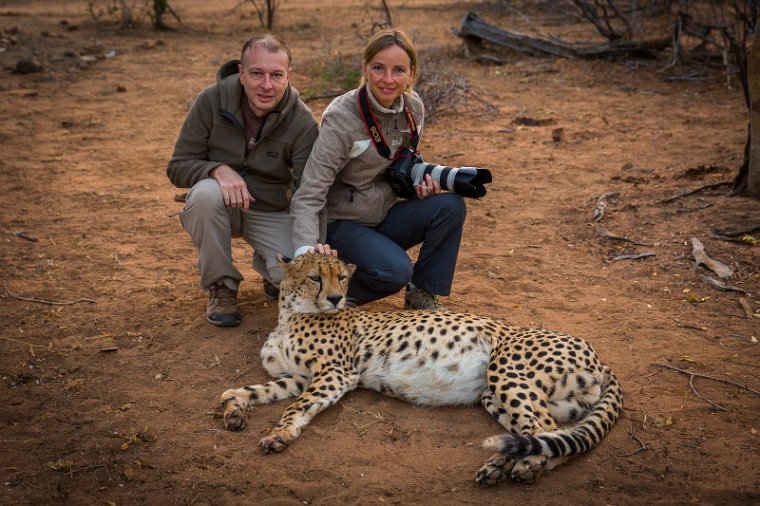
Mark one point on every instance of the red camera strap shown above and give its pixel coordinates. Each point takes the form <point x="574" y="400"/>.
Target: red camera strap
<point x="368" y="117"/>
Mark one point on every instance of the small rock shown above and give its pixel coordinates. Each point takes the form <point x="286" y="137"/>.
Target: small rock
<point x="24" y="66"/>
<point x="121" y="89"/>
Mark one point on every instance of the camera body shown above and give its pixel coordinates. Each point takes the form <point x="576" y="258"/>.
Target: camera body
<point x="409" y="169"/>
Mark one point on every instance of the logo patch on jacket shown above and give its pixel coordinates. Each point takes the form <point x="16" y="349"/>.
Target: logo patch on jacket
<point x="273" y="154"/>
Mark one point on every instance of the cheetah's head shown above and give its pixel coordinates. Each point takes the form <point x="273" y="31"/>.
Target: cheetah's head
<point x="314" y="283"/>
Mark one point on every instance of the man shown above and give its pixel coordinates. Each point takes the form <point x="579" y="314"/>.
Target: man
<point x="242" y="150"/>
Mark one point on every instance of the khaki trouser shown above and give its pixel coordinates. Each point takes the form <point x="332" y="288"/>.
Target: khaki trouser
<point x="212" y="226"/>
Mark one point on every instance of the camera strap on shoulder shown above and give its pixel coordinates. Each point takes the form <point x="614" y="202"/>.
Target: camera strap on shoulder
<point x="368" y="117"/>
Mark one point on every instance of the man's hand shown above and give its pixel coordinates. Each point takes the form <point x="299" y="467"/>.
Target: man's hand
<point x="234" y="190"/>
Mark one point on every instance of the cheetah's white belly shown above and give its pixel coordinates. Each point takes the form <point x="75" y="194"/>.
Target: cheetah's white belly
<point x="445" y="380"/>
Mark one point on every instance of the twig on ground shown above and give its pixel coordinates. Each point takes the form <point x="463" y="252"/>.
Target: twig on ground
<point x="85" y="469"/>
<point x="601" y="205"/>
<point x="721" y="380"/>
<point x="52" y="303"/>
<point x="633" y="257"/>
<point x="24" y="235"/>
<point x="699" y="254"/>
<point x="326" y="94"/>
<point x="716" y="406"/>
<point x="686" y="193"/>
<point x="233" y="380"/>
<point x="719" y="285"/>
<point x="642" y="446"/>
<point x="747" y="307"/>
<point x="690" y="325"/>
<point x="22" y="342"/>
<point x="602" y="232"/>
<point x="690" y="209"/>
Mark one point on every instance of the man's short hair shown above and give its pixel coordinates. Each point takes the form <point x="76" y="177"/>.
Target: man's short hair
<point x="267" y="41"/>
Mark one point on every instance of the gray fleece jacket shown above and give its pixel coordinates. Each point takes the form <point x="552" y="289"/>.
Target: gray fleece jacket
<point x="213" y="134"/>
<point x="344" y="174"/>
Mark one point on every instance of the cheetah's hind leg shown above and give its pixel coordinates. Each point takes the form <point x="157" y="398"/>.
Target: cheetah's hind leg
<point x="235" y="401"/>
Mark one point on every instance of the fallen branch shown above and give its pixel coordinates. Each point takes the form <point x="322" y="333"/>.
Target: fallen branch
<point x="686" y="193"/>
<point x="633" y="257"/>
<point x="602" y="232"/>
<point x="713" y="235"/>
<point x="52" y="303"/>
<point x="699" y="254"/>
<point x="474" y="29"/>
<point x="721" y="380"/>
<point x="733" y="232"/>
<point x="719" y="285"/>
<point x="601" y="205"/>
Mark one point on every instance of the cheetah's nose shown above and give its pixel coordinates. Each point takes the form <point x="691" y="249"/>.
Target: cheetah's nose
<point x="335" y="299"/>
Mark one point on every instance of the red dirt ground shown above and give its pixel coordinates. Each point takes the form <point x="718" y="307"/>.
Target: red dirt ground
<point x="84" y="145"/>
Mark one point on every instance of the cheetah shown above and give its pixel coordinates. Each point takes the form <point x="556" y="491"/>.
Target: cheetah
<point x="549" y="390"/>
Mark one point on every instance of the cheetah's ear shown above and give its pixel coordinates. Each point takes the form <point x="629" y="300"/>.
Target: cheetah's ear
<point x="351" y="268"/>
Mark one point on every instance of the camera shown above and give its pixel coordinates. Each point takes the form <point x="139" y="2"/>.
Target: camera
<point x="409" y="169"/>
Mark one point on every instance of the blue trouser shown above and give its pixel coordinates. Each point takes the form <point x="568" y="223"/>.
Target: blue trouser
<point x="382" y="264"/>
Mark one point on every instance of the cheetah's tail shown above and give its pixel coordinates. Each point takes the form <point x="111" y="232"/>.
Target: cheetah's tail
<point x="578" y="438"/>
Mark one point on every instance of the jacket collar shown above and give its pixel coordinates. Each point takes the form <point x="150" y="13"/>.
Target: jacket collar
<point x="396" y="107"/>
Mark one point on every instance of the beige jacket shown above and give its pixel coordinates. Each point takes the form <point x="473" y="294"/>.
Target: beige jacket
<point x="344" y="174"/>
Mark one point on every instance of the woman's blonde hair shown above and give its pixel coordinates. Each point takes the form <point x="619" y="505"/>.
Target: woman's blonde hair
<point x="388" y="38"/>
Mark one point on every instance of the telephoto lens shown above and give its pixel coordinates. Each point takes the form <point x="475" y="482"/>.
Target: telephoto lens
<point x="465" y="181"/>
<point x="409" y="169"/>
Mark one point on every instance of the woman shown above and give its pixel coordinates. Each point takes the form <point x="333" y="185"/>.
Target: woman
<point x="366" y="222"/>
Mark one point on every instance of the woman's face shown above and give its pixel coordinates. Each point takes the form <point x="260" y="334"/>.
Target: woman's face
<point x="388" y="75"/>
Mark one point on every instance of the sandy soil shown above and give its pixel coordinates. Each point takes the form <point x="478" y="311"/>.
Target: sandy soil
<point x="113" y="399"/>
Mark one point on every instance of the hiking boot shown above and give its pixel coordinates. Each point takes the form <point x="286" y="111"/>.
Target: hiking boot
<point x="271" y="291"/>
<point x="419" y="298"/>
<point x="222" y="309"/>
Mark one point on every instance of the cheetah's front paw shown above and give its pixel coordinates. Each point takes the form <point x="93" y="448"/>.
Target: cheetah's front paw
<point x="275" y="442"/>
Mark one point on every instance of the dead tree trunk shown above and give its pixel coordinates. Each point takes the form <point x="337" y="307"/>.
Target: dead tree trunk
<point x="753" y="81"/>
<point x="474" y="29"/>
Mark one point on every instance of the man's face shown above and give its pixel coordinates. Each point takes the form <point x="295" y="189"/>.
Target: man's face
<point x="265" y="78"/>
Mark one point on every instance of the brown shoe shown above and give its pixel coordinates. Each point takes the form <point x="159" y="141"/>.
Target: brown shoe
<point x="419" y="298"/>
<point x="222" y="309"/>
<point x="271" y="291"/>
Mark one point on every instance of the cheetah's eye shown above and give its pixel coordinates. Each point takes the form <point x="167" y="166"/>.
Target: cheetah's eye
<point x="342" y="277"/>
<point x="316" y="279"/>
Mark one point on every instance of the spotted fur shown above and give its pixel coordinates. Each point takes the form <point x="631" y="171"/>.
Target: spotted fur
<point x="549" y="390"/>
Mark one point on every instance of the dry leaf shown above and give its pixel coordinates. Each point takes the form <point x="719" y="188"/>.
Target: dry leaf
<point x="61" y="465"/>
<point x="696" y="300"/>
<point x="686" y="358"/>
<point x="662" y="421"/>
